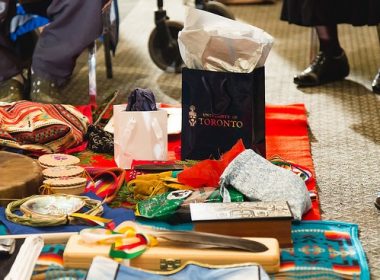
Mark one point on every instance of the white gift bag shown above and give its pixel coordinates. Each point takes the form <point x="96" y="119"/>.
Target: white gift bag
<point x="139" y="135"/>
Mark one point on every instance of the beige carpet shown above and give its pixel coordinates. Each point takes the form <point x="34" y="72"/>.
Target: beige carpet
<point x="344" y="117"/>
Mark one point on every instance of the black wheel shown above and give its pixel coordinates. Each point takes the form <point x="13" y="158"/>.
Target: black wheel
<point x="169" y="61"/>
<point x="218" y="9"/>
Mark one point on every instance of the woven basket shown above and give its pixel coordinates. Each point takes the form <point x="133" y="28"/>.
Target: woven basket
<point x="66" y="185"/>
<point x="63" y="171"/>
<point x="53" y="160"/>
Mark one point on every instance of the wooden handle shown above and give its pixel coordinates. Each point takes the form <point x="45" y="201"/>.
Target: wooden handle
<point x="49" y="238"/>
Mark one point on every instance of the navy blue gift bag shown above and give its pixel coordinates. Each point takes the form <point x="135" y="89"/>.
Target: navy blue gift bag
<point x="218" y="108"/>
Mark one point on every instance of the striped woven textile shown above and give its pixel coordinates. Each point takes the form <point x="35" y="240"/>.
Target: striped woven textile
<point x="41" y="128"/>
<point x="324" y="250"/>
<point x="50" y="265"/>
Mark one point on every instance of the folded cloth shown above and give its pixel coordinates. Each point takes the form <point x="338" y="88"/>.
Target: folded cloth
<point x="105" y="268"/>
<point x="118" y="215"/>
<point x="259" y="179"/>
<point x="141" y="100"/>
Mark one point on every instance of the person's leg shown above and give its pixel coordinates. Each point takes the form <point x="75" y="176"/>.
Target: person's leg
<point x="328" y="40"/>
<point x="330" y="64"/>
<point x="75" y="24"/>
<point x="11" y="87"/>
<point x="37" y="7"/>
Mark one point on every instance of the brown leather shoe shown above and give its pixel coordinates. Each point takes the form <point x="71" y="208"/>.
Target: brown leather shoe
<point x="324" y="69"/>
<point x="45" y="91"/>
<point x="11" y="90"/>
<point x="376" y="83"/>
<point x="377" y="201"/>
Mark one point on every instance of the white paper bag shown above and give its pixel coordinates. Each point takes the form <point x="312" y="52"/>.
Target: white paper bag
<point x="139" y="135"/>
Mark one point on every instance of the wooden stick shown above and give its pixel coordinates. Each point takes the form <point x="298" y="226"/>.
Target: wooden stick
<point x="49" y="238"/>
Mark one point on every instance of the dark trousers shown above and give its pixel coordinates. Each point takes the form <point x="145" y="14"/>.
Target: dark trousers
<point x="74" y="24"/>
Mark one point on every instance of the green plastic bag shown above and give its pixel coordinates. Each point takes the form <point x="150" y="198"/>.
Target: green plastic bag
<point x="174" y="206"/>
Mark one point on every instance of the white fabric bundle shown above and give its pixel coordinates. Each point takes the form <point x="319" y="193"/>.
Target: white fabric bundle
<point x="259" y="179"/>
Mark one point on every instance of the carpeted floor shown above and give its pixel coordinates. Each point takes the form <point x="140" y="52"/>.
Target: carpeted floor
<point x="344" y="117"/>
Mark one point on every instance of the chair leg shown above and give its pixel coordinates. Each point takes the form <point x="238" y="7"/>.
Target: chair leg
<point x="107" y="55"/>
<point x="92" y="73"/>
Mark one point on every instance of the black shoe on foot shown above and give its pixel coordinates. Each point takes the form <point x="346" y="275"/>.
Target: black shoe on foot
<point x="376" y="83"/>
<point x="11" y="90"/>
<point x="324" y="69"/>
<point x="377" y="201"/>
<point x="45" y="91"/>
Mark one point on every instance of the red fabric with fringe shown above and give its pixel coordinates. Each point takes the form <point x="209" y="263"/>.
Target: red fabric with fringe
<point x="287" y="136"/>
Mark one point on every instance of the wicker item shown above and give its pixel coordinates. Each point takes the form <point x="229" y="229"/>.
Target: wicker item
<point x="94" y="207"/>
<point x="63" y="171"/>
<point x="64" y="185"/>
<point x="54" y="160"/>
<point x="41" y="207"/>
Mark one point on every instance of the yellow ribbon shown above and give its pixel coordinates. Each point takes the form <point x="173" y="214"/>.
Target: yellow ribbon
<point x="45" y="189"/>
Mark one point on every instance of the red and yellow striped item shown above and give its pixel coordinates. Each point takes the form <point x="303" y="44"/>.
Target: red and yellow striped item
<point x="105" y="182"/>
